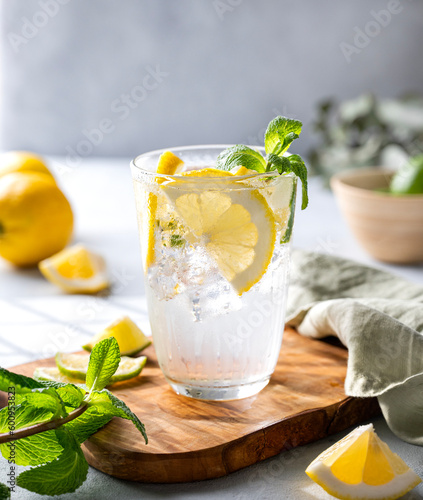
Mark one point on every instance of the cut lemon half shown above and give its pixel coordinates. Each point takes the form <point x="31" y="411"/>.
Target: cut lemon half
<point x="130" y="338"/>
<point x="169" y="164"/>
<point x="53" y="374"/>
<point x="76" y="365"/>
<point x="361" y="466"/>
<point x="234" y="224"/>
<point x="76" y="270"/>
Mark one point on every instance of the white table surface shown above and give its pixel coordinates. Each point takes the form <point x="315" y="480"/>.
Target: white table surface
<point x="36" y="320"/>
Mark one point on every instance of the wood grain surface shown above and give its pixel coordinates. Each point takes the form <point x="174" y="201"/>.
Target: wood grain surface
<point x="192" y="440"/>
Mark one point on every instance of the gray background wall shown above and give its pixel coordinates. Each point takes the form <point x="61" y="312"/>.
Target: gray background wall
<point x="226" y="68"/>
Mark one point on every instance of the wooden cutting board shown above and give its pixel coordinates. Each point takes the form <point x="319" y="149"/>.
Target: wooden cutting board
<point x="191" y="440"/>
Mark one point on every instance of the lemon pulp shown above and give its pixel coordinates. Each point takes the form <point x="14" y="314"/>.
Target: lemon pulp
<point x="233" y="223"/>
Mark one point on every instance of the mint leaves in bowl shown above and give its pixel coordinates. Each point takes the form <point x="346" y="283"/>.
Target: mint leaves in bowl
<point x="383" y="211"/>
<point x="409" y="178"/>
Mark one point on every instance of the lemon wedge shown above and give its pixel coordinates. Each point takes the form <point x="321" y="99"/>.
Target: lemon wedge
<point x="76" y="365"/>
<point x="130" y="338"/>
<point x="169" y="164"/>
<point x="76" y="270"/>
<point x="361" y="466"/>
<point x="235" y="226"/>
<point x="53" y="374"/>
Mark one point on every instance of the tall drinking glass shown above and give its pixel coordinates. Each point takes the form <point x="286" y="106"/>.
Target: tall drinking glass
<point x="215" y="251"/>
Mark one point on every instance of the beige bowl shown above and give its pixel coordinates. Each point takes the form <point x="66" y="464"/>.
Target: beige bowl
<point x="389" y="227"/>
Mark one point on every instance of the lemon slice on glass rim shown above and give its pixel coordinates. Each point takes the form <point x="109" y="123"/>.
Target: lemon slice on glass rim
<point x="76" y="270"/>
<point x="232" y="222"/>
<point x="362" y="467"/>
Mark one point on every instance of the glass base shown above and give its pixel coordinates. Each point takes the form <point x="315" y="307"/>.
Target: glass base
<point x="216" y="393"/>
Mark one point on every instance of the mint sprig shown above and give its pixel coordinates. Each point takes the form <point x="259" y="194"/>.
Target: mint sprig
<point x="280" y="134"/>
<point x="53" y="419"/>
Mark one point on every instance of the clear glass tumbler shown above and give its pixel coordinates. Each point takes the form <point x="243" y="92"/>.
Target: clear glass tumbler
<point x="215" y="251"/>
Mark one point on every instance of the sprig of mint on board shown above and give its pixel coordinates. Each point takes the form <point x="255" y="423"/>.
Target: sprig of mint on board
<point x="280" y="134"/>
<point x="53" y="419"/>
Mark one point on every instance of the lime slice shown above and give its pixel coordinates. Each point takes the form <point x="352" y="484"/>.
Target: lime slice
<point x="49" y="374"/>
<point x="130" y="338"/>
<point x="76" y="366"/>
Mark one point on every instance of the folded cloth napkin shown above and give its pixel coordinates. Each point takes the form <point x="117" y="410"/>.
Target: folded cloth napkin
<point x="379" y="318"/>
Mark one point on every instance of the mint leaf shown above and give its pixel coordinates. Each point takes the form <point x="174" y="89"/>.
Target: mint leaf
<point x="25" y="415"/>
<point x="288" y="233"/>
<point x="295" y="164"/>
<point x="176" y="240"/>
<point x="71" y="395"/>
<point x="279" y="163"/>
<point x="102" y="407"/>
<point x="48" y="400"/>
<point x="280" y="133"/>
<point x="241" y="156"/>
<point x="88" y="423"/>
<point x="21" y="383"/>
<point x="104" y="361"/>
<point x="4" y="492"/>
<point x="300" y="170"/>
<point x="120" y="405"/>
<point x="33" y="450"/>
<point x="63" y="475"/>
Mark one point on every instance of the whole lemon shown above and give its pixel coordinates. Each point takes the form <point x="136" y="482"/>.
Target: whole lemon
<point x="22" y="161"/>
<point x="36" y="219"/>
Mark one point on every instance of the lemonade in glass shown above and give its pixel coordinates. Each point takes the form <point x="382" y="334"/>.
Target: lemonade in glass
<point x="215" y="251"/>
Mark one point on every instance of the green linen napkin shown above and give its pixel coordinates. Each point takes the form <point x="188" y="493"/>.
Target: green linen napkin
<point x="379" y="318"/>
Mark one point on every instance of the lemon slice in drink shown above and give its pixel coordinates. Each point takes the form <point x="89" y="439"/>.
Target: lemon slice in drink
<point x="361" y="466"/>
<point x="206" y="172"/>
<point x="130" y="338"/>
<point x="233" y="223"/>
<point x="53" y="374"/>
<point x="76" y="365"/>
<point x="169" y="164"/>
<point x="76" y="270"/>
<point x="238" y="171"/>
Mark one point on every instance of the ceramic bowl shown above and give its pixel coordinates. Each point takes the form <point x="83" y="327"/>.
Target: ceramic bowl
<point x="389" y="227"/>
